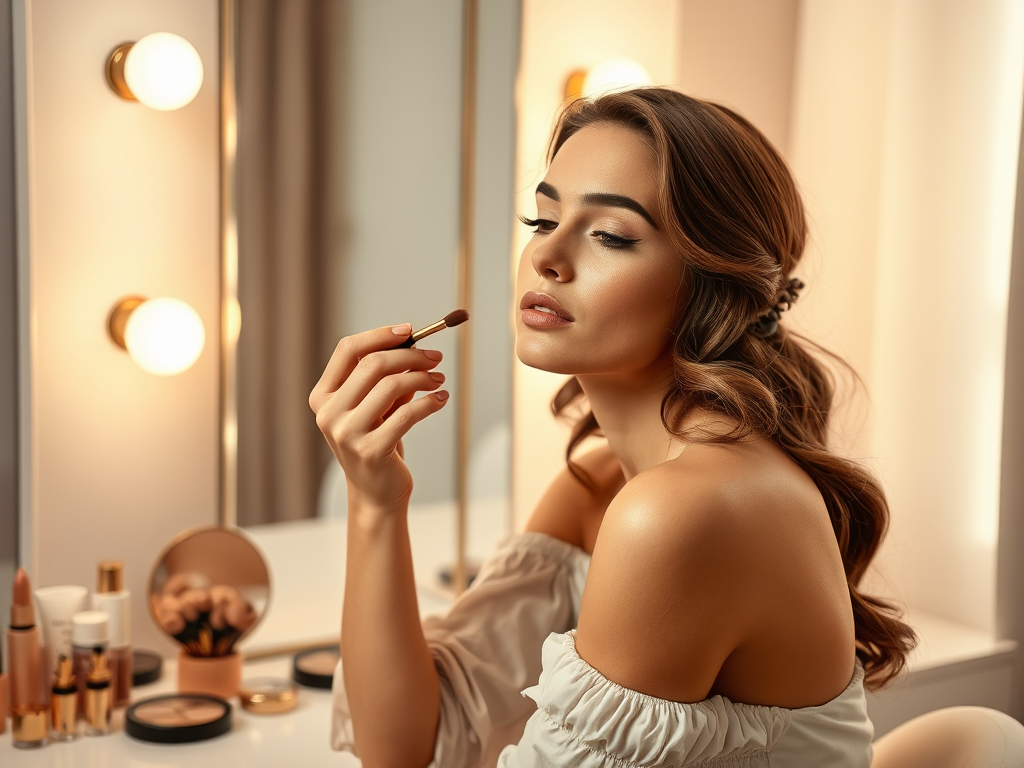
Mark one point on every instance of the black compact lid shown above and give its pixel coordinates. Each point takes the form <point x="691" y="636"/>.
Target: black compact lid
<point x="139" y="726"/>
<point x="147" y="667"/>
<point x="308" y="678"/>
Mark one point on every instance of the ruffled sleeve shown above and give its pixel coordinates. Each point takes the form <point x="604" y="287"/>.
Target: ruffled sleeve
<point x="584" y="719"/>
<point x="487" y="648"/>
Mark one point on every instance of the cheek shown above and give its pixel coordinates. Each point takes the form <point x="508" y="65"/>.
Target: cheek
<point x="633" y="317"/>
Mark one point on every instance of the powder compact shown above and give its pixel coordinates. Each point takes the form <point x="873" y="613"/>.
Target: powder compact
<point x="147" y="667"/>
<point x="268" y="695"/>
<point x="315" y="668"/>
<point x="178" y="718"/>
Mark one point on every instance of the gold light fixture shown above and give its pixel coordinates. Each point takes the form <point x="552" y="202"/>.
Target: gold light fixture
<point x="161" y="70"/>
<point x="610" y="75"/>
<point x="164" y="336"/>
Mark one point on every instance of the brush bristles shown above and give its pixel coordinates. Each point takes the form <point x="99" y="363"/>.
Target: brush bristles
<point x="457" y="317"/>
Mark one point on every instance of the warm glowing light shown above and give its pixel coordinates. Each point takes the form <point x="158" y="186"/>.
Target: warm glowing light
<point x="162" y="70"/>
<point x="614" y="75"/>
<point x="164" y="336"/>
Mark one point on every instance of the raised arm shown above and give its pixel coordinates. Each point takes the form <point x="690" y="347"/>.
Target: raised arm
<point x="364" y="405"/>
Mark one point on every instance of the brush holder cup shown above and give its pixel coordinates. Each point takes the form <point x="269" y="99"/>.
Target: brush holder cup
<point x="213" y="675"/>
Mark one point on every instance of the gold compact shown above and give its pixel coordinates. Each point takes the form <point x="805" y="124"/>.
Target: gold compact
<point x="268" y="695"/>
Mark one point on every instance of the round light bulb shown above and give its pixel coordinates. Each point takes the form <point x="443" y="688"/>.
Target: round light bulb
<point x="615" y="75"/>
<point x="163" y="71"/>
<point x="164" y="336"/>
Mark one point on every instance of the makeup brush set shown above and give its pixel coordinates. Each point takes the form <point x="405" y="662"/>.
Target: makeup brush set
<point x="207" y="621"/>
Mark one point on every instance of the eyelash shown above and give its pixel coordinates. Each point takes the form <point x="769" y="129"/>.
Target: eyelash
<point x="607" y="239"/>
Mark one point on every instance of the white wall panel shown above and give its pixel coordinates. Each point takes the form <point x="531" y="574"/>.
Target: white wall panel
<point x="121" y="200"/>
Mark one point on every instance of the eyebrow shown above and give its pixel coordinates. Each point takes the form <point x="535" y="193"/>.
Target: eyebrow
<point x="600" y="198"/>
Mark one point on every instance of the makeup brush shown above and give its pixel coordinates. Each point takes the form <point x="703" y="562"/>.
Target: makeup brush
<point x="453" y="318"/>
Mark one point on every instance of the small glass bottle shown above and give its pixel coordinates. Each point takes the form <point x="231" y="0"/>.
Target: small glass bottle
<point x="64" y="723"/>
<point x="89" y="630"/>
<point x="113" y="599"/>
<point x="98" y="698"/>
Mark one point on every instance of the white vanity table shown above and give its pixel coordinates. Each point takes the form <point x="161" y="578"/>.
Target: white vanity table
<point x="954" y="664"/>
<point x="307" y="561"/>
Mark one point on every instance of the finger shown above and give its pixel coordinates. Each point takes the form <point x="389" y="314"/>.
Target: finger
<point x="398" y="403"/>
<point x="402" y="420"/>
<point x="350" y="349"/>
<point x="370" y="413"/>
<point x="376" y="366"/>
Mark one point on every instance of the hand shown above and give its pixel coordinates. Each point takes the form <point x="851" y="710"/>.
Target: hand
<point x="364" y="405"/>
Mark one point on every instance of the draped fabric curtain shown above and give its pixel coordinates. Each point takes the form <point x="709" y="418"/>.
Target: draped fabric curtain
<point x="287" y="95"/>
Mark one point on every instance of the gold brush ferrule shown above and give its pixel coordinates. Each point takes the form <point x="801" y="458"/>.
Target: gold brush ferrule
<point x="422" y="333"/>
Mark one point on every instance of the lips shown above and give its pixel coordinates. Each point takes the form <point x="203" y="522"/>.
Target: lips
<point x="532" y="300"/>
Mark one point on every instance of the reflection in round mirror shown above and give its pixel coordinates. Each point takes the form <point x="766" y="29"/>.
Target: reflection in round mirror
<point x="208" y="589"/>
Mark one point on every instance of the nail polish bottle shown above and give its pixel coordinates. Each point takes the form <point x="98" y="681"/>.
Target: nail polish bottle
<point x="64" y="707"/>
<point x="89" y="631"/>
<point x="97" y="696"/>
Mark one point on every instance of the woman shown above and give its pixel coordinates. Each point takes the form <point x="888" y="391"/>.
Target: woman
<point x="719" y="542"/>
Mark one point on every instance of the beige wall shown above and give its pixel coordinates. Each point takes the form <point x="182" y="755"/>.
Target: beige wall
<point x="901" y="121"/>
<point x="740" y="53"/>
<point x="121" y="200"/>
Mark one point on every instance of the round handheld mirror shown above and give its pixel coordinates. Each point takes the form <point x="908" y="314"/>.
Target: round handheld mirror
<point x="208" y="589"/>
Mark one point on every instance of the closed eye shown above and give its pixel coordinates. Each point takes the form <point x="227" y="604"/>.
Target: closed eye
<point x="542" y="226"/>
<point x="608" y="240"/>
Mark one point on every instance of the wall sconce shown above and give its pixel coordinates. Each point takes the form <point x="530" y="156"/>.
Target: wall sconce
<point x="163" y="71"/>
<point x="163" y="336"/>
<point x="610" y="75"/>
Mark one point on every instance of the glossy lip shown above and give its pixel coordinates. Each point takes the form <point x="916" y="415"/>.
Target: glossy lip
<point x="532" y="299"/>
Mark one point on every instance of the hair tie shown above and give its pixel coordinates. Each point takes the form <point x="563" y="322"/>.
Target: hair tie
<point x="768" y="323"/>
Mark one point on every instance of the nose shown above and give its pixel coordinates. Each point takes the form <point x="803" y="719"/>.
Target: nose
<point x="551" y="258"/>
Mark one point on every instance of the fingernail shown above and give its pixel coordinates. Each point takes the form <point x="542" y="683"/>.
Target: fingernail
<point x="432" y="354"/>
<point x="401" y="330"/>
<point x="442" y="395"/>
<point x="436" y="376"/>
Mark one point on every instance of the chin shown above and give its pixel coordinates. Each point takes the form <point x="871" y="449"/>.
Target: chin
<point x="536" y="353"/>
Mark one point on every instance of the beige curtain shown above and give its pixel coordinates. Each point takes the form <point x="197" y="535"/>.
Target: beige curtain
<point x="287" y="88"/>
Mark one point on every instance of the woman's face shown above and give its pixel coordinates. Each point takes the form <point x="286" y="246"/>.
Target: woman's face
<point x="601" y="258"/>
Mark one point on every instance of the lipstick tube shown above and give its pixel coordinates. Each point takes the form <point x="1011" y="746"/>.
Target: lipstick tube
<point x="29" y="708"/>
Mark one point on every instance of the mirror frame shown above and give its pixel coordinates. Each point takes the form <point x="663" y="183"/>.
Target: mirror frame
<point x="230" y="319"/>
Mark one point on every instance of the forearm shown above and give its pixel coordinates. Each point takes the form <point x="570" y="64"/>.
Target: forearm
<point x="390" y="678"/>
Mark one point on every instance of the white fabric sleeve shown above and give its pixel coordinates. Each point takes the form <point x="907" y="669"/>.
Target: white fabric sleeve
<point x="487" y="648"/>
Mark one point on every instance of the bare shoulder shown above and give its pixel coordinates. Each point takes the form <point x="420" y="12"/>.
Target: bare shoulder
<point x="572" y="512"/>
<point x="662" y="585"/>
<point x="702" y="558"/>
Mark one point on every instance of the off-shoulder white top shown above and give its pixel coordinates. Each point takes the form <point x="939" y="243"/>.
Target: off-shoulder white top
<point x="514" y="692"/>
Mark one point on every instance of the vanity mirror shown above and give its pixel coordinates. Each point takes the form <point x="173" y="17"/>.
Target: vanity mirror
<point x="209" y="588"/>
<point x="351" y="212"/>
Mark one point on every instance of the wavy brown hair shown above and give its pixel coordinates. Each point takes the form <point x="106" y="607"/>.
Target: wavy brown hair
<point x="734" y="214"/>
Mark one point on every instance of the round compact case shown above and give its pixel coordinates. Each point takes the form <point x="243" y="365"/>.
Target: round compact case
<point x="268" y="695"/>
<point x="178" y="718"/>
<point x="315" y="668"/>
